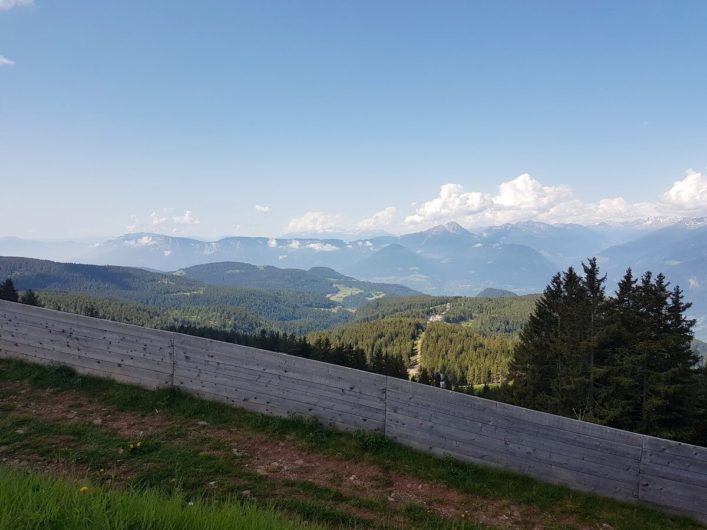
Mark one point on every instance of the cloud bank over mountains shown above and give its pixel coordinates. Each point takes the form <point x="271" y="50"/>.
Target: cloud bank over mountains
<point x="523" y="198"/>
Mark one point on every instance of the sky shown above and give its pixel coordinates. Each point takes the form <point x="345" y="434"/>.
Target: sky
<point x="219" y="118"/>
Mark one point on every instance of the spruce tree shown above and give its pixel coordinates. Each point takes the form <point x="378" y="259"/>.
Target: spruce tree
<point x="617" y="380"/>
<point x="534" y="365"/>
<point x="8" y="291"/>
<point x="597" y="307"/>
<point x="29" y="298"/>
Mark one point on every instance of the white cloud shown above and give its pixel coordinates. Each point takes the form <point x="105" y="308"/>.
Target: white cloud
<point x="144" y="241"/>
<point x="9" y="4"/>
<point x="314" y="222"/>
<point x="263" y="209"/>
<point x="451" y="203"/>
<point x="694" y="283"/>
<point x="186" y="219"/>
<point x="689" y="193"/>
<point x="321" y="247"/>
<point x="157" y="219"/>
<point x="378" y="220"/>
<point x="4" y="61"/>
<point x="272" y="243"/>
<point x="525" y="198"/>
<point x="526" y="193"/>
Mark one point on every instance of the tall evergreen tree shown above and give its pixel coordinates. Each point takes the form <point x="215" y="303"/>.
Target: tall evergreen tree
<point x="625" y="361"/>
<point x="8" y="291"/>
<point x="534" y="366"/>
<point x="29" y="298"/>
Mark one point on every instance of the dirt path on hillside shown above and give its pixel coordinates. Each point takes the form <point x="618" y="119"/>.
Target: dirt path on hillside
<point x="279" y="462"/>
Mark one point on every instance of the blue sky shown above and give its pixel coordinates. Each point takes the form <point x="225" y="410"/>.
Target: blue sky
<point x="340" y="116"/>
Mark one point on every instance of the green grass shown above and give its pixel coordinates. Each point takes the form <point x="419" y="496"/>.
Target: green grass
<point x="343" y="293"/>
<point x="173" y="464"/>
<point x="33" y="501"/>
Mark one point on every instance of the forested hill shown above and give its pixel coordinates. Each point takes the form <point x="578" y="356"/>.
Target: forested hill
<point x="324" y="281"/>
<point x="470" y="340"/>
<point x="152" y="298"/>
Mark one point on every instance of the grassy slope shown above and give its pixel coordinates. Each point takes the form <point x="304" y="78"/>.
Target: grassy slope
<point x="175" y="459"/>
<point x="31" y="500"/>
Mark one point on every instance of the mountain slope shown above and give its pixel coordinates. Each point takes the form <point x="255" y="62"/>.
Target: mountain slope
<point x="678" y="251"/>
<point x="184" y="300"/>
<point x="324" y="281"/>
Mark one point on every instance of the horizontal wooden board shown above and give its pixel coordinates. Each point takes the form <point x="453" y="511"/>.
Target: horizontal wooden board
<point x="160" y="361"/>
<point x="75" y="360"/>
<point x="282" y="406"/>
<point x="184" y="377"/>
<point x="51" y="317"/>
<point x="500" y="450"/>
<point x="132" y="378"/>
<point x="475" y="418"/>
<point x="539" y="470"/>
<point x="673" y="493"/>
<point x="372" y="402"/>
<point x="698" y="455"/>
<point x="540" y="441"/>
<point x="127" y="334"/>
<point x="253" y="369"/>
<point x="197" y="349"/>
<point x="148" y="359"/>
<point x="445" y="399"/>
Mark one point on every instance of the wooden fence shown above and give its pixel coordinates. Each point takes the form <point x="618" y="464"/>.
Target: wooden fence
<point x="606" y="461"/>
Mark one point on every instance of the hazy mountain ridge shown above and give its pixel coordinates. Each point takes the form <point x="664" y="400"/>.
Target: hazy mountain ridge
<point x="444" y="260"/>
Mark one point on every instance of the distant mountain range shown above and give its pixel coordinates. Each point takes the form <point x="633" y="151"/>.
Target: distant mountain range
<point x="444" y="260"/>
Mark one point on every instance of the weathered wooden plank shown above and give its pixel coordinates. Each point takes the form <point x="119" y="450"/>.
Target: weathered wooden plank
<point x="282" y="365"/>
<point x="657" y="446"/>
<point x="399" y="402"/>
<point x="314" y="371"/>
<point x="104" y="340"/>
<point x="78" y="360"/>
<point x="373" y="402"/>
<point x="142" y="358"/>
<point x="674" y="473"/>
<point x="197" y="350"/>
<point x="126" y="332"/>
<point x="161" y="364"/>
<point x="673" y="493"/>
<point x="198" y="344"/>
<point x="510" y="462"/>
<point x="279" y="412"/>
<point x="368" y="395"/>
<point x="679" y="463"/>
<point x="620" y="470"/>
<point x="566" y="446"/>
<point x="283" y="406"/>
<point x="253" y="388"/>
<point x="445" y="400"/>
<point x="132" y="379"/>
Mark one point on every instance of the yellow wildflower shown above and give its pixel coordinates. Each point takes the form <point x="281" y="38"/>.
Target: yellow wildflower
<point x="84" y="489"/>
